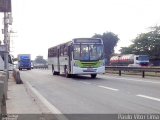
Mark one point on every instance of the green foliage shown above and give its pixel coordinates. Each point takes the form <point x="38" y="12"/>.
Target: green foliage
<point x="15" y="59"/>
<point x="110" y="41"/>
<point x="145" y="43"/>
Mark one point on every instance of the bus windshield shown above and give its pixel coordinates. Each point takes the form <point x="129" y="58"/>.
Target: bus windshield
<point x="88" y="52"/>
<point x="25" y="60"/>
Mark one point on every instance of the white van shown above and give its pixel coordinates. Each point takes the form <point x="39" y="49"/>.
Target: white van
<point x="10" y="62"/>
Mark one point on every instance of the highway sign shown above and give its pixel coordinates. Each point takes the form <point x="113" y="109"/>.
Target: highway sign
<point x="5" y="5"/>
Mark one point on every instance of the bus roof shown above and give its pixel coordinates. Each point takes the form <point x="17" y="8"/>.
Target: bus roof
<point x="80" y="40"/>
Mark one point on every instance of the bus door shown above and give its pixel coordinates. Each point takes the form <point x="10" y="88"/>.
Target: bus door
<point x="58" y="65"/>
<point x="70" y="56"/>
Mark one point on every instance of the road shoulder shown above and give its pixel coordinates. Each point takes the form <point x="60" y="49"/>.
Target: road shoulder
<point x="22" y="101"/>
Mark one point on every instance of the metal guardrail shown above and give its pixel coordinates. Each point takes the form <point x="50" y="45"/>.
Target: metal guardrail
<point x="139" y="69"/>
<point x="40" y="67"/>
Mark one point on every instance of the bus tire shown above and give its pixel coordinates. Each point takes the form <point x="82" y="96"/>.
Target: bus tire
<point x="93" y="75"/>
<point x="57" y="73"/>
<point x="53" y="72"/>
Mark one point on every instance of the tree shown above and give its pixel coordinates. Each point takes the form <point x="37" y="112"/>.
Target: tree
<point x="110" y="41"/>
<point x="140" y="45"/>
<point x="145" y="43"/>
<point x="126" y="50"/>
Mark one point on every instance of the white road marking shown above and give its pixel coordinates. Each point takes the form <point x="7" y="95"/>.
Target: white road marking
<point x="148" y="97"/>
<point x="86" y="83"/>
<point x="128" y="79"/>
<point x="50" y="106"/>
<point x="109" y="88"/>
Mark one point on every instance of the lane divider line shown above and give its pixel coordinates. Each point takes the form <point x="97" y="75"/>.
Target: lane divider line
<point x="148" y="97"/>
<point x="51" y="107"/>
<point x="109" y="88"/>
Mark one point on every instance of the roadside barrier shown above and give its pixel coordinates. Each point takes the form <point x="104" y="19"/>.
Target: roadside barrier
<point x="41" y="67"/>
<point x="142" y="70"/>
<point x="16" y="75"/>
<point x="3" y="93"/>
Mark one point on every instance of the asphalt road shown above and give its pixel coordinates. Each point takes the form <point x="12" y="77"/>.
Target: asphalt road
<point x="104" y="95"/>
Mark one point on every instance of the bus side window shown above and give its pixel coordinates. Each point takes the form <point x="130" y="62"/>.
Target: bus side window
<point x="65" y="50"/>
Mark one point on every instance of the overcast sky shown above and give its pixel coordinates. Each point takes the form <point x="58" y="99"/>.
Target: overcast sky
<point x="41" y="24"/>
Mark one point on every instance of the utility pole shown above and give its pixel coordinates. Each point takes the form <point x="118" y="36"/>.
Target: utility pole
<point x="5" y="7"/>
<point x="6" y="22"/>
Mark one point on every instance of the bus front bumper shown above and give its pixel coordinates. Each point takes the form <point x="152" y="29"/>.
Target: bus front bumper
<point x="86" y="71"/>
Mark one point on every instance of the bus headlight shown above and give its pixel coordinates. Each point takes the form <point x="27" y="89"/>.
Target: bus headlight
<point x="76" y="64"/>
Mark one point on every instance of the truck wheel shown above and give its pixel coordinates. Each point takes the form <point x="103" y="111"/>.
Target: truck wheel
<point x="93" y="75"/>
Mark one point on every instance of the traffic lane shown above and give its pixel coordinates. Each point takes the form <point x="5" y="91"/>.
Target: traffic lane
<point x="124" y="84"/>
<point x="130" y="88"/>
<point x="73" y="96"/>
<point x="128" y="85"/>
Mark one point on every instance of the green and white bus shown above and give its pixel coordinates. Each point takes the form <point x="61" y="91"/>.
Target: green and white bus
<point x="81" y="56"/>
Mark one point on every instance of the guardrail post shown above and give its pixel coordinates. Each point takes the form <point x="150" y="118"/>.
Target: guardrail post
<point x="119" y="72"/>
<point x="143" y="74"/>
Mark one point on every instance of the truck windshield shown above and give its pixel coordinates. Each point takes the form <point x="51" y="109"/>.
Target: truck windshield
<point x="24" y="59"/>
<point x="143" y="58"/>
<point x="88" y="52"/>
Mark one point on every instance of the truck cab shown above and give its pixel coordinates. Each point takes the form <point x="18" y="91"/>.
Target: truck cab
<point x="24" y="61"/>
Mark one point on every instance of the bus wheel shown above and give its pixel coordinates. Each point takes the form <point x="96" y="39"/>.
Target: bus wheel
<point x="93" y="75"/>
<point x="53" y="72"/>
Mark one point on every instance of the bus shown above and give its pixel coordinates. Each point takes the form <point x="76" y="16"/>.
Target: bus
<point x="80" y="56"/>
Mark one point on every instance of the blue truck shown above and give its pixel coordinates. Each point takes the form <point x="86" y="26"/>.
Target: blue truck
<point x="24" y="61"/>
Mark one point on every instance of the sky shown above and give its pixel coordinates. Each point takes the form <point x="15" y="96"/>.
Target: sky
<point x="40" y="24"/>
